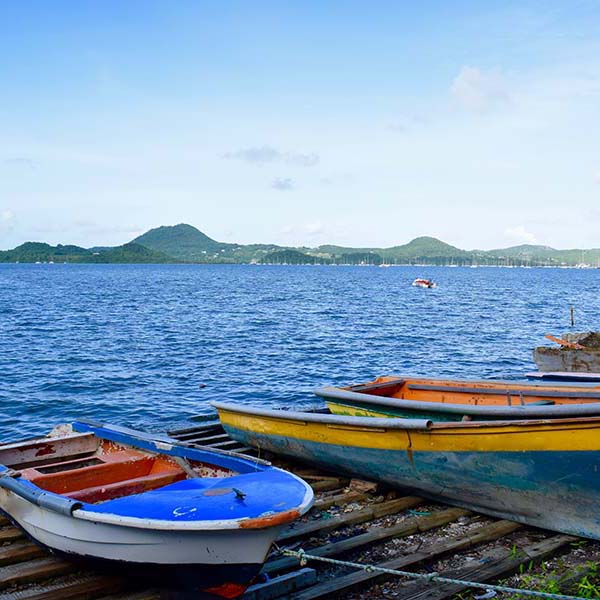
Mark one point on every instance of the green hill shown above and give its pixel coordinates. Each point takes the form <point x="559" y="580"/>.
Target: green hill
<point x="129" y="254"/>
<point x="31" y="252"/>
<point x="524" y="250"/>
<point x="528" y="253"/>
<point x="183" y="242"/>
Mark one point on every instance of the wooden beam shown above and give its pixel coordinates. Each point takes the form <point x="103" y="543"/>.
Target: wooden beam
<point x="218" y="437"/>
<point x="375" y="534"/>
<point x="281" y="586"/>
<point x="19" y="551"/>
<point x="33" y="571"/>
<point x="338" y="500"/>
<point x="328" y="484"/>
<point x="375" y="511"/>
<point x="9" y="534"/>
<point x="506" y="563"/>
<point x="415" y="556"/>
<point x="88" y="587"/>
<point x="183" y="434"/>
<point x="228" y="444"/>
<point x="151" y="594"/>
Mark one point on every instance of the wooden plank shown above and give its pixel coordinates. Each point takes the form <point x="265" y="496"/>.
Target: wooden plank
<point x="338" y="500"/>
<point x="375" y="511"/>
<point x="505" y="564"/>
<point x="331" y="483"/>
<point x="227" y="445"/>
<point x="3" y="521"/>
<point x="281" y="586"/>
<point x="317" y="477"/>
<point x="151" y="594"/>
<point x="564" y="343"/>
<point x="33" y="571"/>
<point x="416" y="555"/>
<point x="376" y="534"/>
<point x="10" y="534"/>
<point x="88" y="587"/>
<point x="184" y="434"/>
<point x="19" y="551"/>
<point x="219" y="437"/>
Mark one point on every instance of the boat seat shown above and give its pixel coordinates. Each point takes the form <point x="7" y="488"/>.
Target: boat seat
<point x="106" y="469"/>
<point x="371" y="388"/>
<point x="128" y="487"/>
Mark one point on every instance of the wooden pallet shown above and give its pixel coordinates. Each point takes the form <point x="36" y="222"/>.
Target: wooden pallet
<point x="349" y="518"/>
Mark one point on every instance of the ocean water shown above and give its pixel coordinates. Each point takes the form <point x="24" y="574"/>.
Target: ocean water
<point x="152" y="345"/>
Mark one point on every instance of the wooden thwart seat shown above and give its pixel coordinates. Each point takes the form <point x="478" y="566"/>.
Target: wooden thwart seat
<point x="128" y="487"/>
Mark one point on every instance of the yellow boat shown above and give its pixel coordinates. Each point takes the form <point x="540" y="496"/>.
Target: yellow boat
<point x="543" y="472"/>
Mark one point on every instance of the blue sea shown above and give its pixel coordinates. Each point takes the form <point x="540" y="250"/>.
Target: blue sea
<point x="152" y="345"/>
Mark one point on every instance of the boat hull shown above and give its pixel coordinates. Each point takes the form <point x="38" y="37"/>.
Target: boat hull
<point x="137" y="545"/>
<point x="508" y="475"/>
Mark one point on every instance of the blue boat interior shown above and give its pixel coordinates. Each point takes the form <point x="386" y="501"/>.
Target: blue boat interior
<point x="216" y="499"/>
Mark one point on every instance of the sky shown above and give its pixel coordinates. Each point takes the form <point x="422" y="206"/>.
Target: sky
<point x="301" y="123"/>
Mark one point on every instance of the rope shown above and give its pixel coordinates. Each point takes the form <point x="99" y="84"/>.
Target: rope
<point x="303" y="557"/>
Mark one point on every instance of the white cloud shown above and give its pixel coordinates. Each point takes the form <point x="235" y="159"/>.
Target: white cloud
<point x="267" y="154"/>
<point x="521" y="235"/>
<point x="479" y="91"/>
<point x="283" y="184"/>
<point x="315" y="228"/>
<point x="7" y="216"/>
<point x="7" y="221"/>
<point x="20" y="161"/>
<point x="597" y="176"/>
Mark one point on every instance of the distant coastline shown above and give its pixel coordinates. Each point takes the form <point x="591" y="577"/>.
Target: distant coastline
<point x="186" y="244"/>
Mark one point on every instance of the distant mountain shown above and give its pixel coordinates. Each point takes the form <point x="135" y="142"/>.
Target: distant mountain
<point x="528" y="253"/>
<point x="181" y="241"/>
<point x="524" y="250"/>
<point x="420" y="250"/>
<point x="184" y="243"/>
<point x="31" y="252"/>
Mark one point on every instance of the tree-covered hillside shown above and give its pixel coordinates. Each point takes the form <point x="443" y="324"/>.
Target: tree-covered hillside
<point x="185" y="243"/>
<point x="32" y="252"/>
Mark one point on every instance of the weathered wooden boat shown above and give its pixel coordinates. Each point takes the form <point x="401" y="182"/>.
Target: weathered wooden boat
<point x="544" y="473"/>
<point x="201" y="519"/>
<point x="455" y="400"/>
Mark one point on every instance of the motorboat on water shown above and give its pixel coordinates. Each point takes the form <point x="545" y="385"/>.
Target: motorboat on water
<point x="200" y="519"/>
<point x="424" y="283"/>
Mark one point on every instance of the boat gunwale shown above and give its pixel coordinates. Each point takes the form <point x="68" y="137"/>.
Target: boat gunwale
<point x="381" y="424"/>
<point x="587" y="409"/>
